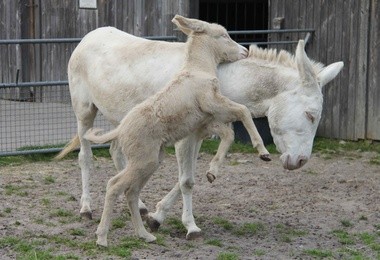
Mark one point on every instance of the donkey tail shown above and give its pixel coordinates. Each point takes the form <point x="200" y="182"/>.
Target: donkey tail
<point x="92" y="136"/>
<point x="71" y="146"/>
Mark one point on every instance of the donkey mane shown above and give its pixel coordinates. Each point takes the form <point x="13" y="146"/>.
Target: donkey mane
<point x="283" y="58"/>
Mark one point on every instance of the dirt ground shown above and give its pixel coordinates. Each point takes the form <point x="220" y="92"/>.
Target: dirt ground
<point x="253" y="210"/>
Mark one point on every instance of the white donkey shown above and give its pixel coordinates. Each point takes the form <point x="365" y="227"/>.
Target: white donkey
<point x="187" y="103"/>
<point x="113" y="71"/>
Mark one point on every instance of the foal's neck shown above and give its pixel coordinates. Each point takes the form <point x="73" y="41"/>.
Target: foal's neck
<point x="200" y="56"/>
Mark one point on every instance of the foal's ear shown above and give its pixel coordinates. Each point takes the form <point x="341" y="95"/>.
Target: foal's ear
<point x="187" y="25"/>
<point x="329" y="73"/>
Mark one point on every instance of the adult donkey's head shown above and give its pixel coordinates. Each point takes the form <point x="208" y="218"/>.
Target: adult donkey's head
<point x="294" y="114"/>
<point x="214" y="36"/>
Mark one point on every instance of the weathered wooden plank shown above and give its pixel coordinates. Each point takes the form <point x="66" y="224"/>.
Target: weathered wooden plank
<point x="353" y="68"/>
<point x="373" y="117"/>
<point x="320" y="22"/>
<point x="328" y="27"/>
<point x="336" y="86"/>
<point x="361" y="76"/>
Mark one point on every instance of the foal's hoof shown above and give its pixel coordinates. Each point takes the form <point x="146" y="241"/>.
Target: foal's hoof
<point x="152" y="224"/>
<point x="144" y="214"/>
<point x="210" y="177"/>
<point x="265" y="157"/>
<point x="194" y="235"/>
<point x="87" y="215"/>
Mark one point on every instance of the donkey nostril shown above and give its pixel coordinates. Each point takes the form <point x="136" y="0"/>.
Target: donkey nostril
<point x="302" y="161"/>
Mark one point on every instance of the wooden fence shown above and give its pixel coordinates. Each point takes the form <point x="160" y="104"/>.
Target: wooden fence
<point x="346" y="30"/>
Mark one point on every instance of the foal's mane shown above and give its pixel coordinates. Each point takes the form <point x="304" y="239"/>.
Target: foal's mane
<point x="282" y="58"/>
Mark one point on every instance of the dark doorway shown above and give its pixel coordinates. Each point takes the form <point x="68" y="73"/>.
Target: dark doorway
<point x="241" y="15"/>
<point x="237" y="15"/>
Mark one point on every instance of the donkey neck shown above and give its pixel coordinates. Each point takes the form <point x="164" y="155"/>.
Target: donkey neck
<point x="254" y="85"/>
<point x="200" y="56"/>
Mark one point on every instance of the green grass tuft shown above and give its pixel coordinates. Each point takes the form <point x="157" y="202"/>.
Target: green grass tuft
<point x="227" y="225"/>
<point x="318" y="253"/>
<point x="227" y="256"/>
<point x="214" y="242"/>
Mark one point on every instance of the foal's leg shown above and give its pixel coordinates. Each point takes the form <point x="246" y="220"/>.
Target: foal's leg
<point x="85" y="119"/>
<point x="120" y="163"/>
<point x="225" y="110"/>
<point x="130" y="181"/>
<point x="226" y="134"/>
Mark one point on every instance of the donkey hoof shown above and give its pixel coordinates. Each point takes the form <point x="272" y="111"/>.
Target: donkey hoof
<point x="149" y="238"/>
<point x="265" y="157"/>
<point x="87" y="215"/>
<point x="101" y="243"/>
<point x="194" y="235"/>
<point x="210" y="177"/>
<point x="152" y="224"/>
<point x="144" y="214"/>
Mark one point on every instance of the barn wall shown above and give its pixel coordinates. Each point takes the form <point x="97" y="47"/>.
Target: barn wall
<point x="64" y="19"/>
<point x="346" y="30"/>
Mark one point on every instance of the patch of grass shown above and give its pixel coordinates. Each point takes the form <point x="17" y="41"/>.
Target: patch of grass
<point x="362" y="217"/>
<point x="259" y="252"/>
<point x="375" y="160"/>
<point x="15" y="190"/>
<point x="371" y="241"/>
<point x="344" y="237"/>
<point x="45" y="201"/>
<point x="250" y="229"/>
<point x="61" y="213"/>
<point x="227" y="256"/>
<point x="76" y="232"/>
<point x="124" y="249"/>
<point x="7" y="210"/>
<point x="160" y="240"/>
<point x="30" y="250"/>
<point x="310" y="172"/>
<point x="227" y="225"/>
<point x="346" y="223"/>
<point x="287" y="233"/>
<point x="118" y="223"/>
<point x="327" y="147"/>
<point x="214" y="242"/>
<point x="176" y="224"/>
<point x="318" y="253"/>
<point x="335" y="147"/>
<point x="49" y="179"/>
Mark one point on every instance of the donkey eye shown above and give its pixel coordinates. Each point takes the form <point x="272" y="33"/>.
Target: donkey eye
<point x="310" y="116"/>
<point x="225" y="36"/>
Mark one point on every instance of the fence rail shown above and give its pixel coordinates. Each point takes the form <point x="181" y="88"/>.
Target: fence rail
<point x="33" y="125"/>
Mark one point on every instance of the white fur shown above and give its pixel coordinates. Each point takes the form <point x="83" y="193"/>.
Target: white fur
<point x="188" y="103"/>
<point x="113" y="71"/>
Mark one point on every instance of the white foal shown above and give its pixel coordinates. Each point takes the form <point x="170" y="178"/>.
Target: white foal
<point x="188" y="103"/>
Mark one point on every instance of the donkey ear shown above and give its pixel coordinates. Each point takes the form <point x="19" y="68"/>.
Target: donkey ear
<point x="187" y="25"/>
<point x="329" y="73"/>
<point x="305" y="68"/>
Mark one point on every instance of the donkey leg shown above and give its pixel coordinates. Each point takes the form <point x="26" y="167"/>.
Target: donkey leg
<point x="120" y="163"/>
<point x="226" y="134"/>
<point x="85" y="120"/>
<point x="154" y="220"/>
<point x="187" y="160"/>
<point x="186" y="152"/>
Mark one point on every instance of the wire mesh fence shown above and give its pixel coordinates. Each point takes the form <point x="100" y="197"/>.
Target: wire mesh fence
<point x="42" y="124"/>
<point x="37" y="117"/>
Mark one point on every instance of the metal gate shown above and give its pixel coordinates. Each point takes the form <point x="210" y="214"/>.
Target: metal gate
<point x="40" y="119"/>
